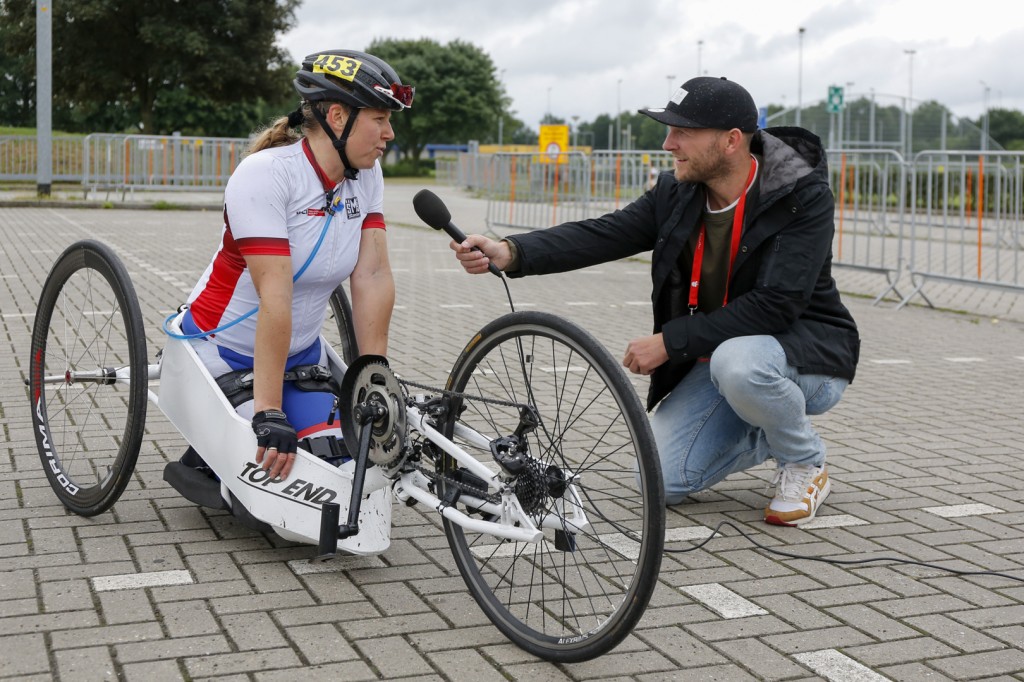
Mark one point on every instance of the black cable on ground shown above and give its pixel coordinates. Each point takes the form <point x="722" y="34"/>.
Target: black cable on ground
<point x="791" y="555"/>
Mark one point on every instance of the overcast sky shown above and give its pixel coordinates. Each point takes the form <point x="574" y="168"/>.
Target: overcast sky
<point x="571" y="54"/>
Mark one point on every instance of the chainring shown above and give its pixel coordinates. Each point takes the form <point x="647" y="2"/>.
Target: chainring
<point x="369" y="380"/>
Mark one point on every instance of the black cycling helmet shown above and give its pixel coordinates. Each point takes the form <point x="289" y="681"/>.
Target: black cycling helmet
<point x="355" y="78"/>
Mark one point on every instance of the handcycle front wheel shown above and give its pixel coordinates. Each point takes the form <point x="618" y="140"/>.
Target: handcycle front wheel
<point x="579" y="592"/>
<point x="88" y="378"/>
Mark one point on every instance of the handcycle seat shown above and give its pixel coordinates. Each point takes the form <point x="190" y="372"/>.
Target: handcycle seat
<point x="191" y="399"/>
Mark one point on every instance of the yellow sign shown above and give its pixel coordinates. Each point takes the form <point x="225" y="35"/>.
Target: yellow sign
<point x="336" y="65"/>
<point x="554" y="141"/>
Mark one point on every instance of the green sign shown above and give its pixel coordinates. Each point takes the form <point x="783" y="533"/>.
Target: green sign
<point x="835" y="99"/>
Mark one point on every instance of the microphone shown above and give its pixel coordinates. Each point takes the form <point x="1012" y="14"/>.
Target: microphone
<point x="434" y="213"/>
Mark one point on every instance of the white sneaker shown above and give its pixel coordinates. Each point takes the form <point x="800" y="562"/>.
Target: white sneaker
<point x="799" y="491"/>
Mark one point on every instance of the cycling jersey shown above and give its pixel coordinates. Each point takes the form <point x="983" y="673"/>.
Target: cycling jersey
<point x="275" y="204"/>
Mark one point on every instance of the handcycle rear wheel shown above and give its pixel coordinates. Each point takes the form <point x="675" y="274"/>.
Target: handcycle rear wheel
<point x="575" y="595"/>
<point x="88" y="378"/>
<point x="341" y="312"/>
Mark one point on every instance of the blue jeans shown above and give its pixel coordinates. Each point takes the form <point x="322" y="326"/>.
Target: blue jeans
<point x="747" y="404"/>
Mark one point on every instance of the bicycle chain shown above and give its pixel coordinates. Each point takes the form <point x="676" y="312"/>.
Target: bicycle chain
<point x="434" y="476"/>
<point x="456" y="394"/>
<point x="494" y="498"/>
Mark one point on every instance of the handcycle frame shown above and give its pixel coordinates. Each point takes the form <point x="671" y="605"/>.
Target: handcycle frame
<point x="549" y="494"/>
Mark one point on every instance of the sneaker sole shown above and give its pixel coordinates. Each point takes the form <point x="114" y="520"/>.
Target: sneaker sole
<point x="776" y="519"/>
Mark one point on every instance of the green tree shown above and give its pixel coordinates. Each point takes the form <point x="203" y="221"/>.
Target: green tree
<point x="119" y="63"/>
<point x="1006" y="126"/>
<point x="458" y="96"/>
<point x="17" y="64"/>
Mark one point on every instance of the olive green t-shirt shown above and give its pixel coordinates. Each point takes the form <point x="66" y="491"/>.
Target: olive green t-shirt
<point x="715" y="265"/>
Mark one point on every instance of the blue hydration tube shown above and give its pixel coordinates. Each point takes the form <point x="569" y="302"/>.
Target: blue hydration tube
<point x="332" y="202"/>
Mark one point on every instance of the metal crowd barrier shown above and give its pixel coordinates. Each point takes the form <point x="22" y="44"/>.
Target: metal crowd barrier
<point x="967" y="224"/>
<point x="869" y="186"/>
<point x="164" y="162"/>
<point x="18" y="158"/>
<point x="954" y="216"/>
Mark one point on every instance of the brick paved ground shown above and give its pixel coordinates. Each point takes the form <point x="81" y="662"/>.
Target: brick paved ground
<point x="925" y="453"/>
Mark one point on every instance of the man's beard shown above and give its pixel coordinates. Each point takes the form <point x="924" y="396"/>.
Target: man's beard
<point x="709" y="165"/>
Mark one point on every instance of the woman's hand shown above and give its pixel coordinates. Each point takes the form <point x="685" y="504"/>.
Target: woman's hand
<point x="277" y="442"/>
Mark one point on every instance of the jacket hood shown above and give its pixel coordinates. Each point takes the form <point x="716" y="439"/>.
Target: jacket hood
<point x="791" y="156"/>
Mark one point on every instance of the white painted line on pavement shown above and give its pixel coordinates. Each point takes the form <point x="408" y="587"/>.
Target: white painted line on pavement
<point x="13" y="315"/>
<point x="449" y="270"/>
<point x="1020" y="357"/>
<point x="891" y="362"/>
<point x="638" y="303"/>
<point x="339" y="563"/>
<point x="723" y="601"/>
<point x="581" y="302"/>
<point x="833" y="521"/>
<point x="19" y="277"/>
<point x="687" y="533"/>
<point x="837" y="667"/>
<point x="964" y="359"/>
<point x="456" y="305"/>
<point x="955" y="510"/>
<point x="135" y="581"/>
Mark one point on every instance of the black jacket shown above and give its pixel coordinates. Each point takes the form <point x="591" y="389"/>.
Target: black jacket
<point x="781" y="282"/>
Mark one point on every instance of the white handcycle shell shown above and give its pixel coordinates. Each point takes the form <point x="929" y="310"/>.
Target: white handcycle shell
<point x="195" y="405"/>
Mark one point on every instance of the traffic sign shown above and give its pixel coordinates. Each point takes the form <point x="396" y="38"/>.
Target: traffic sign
<point x="835" y="99"/>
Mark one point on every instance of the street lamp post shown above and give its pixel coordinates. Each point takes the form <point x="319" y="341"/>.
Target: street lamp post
<point x="669" y="80"/>
<point x="575" y="128"/>
<point x="800" y="74"/>
<point x="618" y="115"/>
<point x="700" y="47"/>
<point x="910" y="103"/>
<point x="501" y="109"/>
<point x="844" y="129"/>
<point x="984" y="114"/>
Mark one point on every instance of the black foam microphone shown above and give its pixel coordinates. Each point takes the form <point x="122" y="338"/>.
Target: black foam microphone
<point x="433" y="212"/>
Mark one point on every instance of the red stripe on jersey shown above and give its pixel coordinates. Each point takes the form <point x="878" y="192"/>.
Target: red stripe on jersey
<point x="263" y="246"/>
<point x="374" y="220"/>
<point x="228" y="265"/>
<point x="324" y="180"/>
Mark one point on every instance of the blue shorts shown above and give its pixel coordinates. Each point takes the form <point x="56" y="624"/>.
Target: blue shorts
<point x="311" y="413"/>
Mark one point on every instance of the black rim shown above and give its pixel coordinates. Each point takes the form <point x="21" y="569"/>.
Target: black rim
<point x="88" y="428"/>
<point x="576" y="595"/>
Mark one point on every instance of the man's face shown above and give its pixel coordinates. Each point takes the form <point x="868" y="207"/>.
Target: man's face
<point x="698" y="152"/>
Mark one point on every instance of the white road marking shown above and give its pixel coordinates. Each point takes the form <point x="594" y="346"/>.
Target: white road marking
<point x="891" y="362"/>
<point x="339" y="563"/>
<point x="955" y="510"/>
<point x="832" y="521"/>
<point x="723" y="601"/>
<point x="837" y="667"/>
<point x="135" y="581"/>
<point x="964" y="359"/>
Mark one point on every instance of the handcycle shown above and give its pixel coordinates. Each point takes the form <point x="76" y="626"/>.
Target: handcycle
<point x="536" y="453"/>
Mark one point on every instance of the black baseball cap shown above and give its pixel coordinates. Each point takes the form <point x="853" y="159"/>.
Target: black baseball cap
<point x="706" y="102"/>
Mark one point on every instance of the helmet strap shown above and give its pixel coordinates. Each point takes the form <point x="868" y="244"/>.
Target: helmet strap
<point x="339" y="142"/>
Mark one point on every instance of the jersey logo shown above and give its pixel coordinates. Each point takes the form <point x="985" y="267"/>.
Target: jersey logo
<point x="352" y="207"/>
<point x="312" y="211"/>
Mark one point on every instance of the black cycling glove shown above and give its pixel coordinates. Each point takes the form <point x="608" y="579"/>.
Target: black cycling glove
<point x="274" y="432"/>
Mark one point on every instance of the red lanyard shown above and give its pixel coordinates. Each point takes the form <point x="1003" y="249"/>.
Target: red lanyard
<point x="737" y="230"/>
